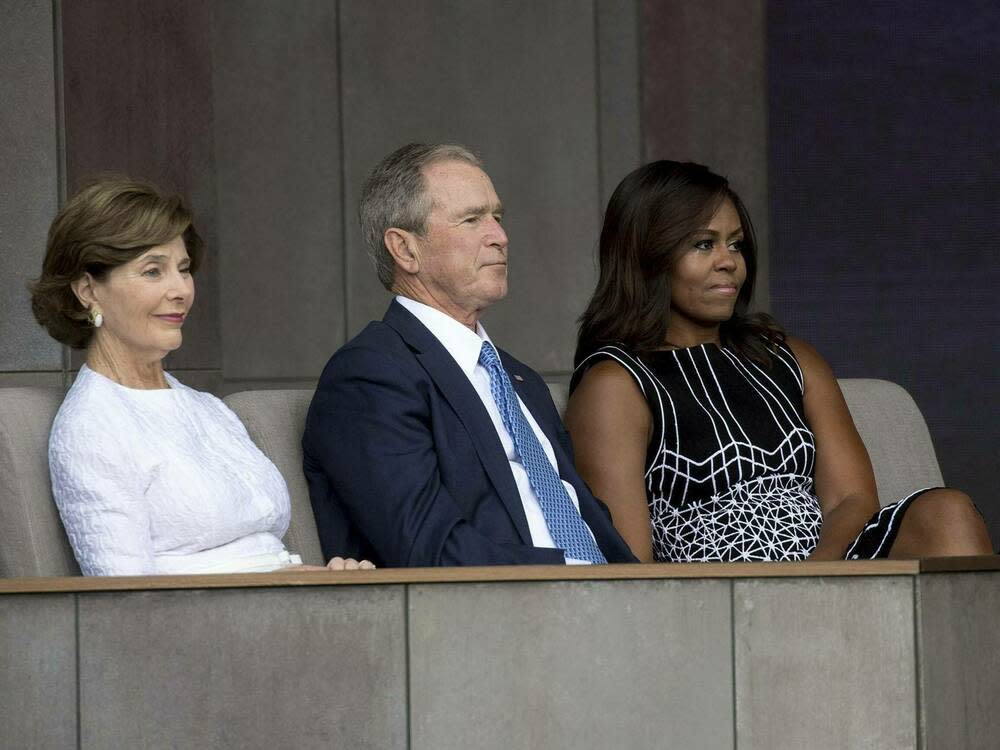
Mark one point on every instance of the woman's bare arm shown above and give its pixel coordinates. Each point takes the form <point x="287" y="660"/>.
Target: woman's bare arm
<point x="609" y="421"/>
<point x="845" y="482"/>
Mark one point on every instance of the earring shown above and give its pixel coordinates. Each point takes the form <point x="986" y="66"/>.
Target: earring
<point x="96" y="319"/>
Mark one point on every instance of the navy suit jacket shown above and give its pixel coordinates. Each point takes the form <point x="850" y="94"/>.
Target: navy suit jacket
<point x="405" y="467"/>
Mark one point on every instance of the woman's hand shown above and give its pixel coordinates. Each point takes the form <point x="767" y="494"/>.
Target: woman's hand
<point x="337" y="563"/>
<point x="340" y="563"/>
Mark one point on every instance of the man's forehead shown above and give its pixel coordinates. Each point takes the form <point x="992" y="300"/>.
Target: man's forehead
<point x="447" y="170"/>
<point x="454" y="181"/>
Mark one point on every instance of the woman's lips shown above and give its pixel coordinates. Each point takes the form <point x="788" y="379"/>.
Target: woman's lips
<point x="728" y="290"/>
<point x="175" y="318"/>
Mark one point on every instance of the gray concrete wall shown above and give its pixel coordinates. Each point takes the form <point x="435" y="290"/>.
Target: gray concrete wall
<point x="268" y="117"/>
<point x="825" y="663"/>
<point x="960" y="665"/>
<point x="38" y="685"/>
<point x="884" y="661"/>
<point x="561" y="665"/>
<point x="29" y="179"/>
<point x="235" y="669"/>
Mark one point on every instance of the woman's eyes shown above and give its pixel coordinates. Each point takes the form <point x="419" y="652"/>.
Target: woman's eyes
<point x="155" y="272"/>
<point x="735" y="246"/>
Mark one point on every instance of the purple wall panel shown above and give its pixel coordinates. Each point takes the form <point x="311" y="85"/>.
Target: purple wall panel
<point x="138" y="99"/>
<point x="885" y="191"/>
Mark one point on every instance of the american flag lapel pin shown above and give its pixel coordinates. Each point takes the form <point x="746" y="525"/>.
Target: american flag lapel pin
<point x="518" y="378"/>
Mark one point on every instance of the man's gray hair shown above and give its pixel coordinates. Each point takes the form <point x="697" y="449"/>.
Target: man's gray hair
<point x="395" y="195"/>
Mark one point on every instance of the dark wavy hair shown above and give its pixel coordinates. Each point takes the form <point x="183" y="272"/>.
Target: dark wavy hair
<point x="650" y="215"/>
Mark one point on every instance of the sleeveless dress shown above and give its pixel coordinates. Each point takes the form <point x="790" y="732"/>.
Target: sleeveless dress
<point x="729" y="468"/>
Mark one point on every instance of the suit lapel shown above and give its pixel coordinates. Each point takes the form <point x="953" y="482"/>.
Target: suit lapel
<point x="463" y="399"/>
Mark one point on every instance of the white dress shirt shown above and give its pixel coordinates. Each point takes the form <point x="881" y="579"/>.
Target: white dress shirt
<point x="464" y="347"/>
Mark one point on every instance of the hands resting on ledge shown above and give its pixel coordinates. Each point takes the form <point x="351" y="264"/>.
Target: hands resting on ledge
<point x="336" y="563"/>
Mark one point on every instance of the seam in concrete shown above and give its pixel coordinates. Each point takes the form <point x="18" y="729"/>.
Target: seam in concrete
<point x="732" y="658"/>
<point x="641" y="59"/>
<point x="57" y="47"/>
<point x="60" y="124"/>
<point x="917" y="676"/>
<point x="599" y="109"/>
<point x="406" y="646"/>
<point x="345" y="256"/>
<point x="762" y="292"/>
<point x="76" y="629"/>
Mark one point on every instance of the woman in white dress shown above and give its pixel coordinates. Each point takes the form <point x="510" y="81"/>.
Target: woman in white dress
<point x="150" y="476"/>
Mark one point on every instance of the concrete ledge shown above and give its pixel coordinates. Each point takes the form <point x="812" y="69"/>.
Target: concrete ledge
<point x="470" y="575"/>
<point x="780" y="655"/>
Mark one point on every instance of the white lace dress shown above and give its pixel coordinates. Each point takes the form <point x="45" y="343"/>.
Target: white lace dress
<point x="163" y="482"/>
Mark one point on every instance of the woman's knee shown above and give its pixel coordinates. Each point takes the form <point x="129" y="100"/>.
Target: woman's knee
<point x="945" y="507"/>
<point x="949" y="516"/>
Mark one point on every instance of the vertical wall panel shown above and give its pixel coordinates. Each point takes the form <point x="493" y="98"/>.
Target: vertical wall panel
<point x="885" y="187"/>
<point x="628" y="664"/>
<point x="138" y="100"/>
<point x="705" y="97"/>
<point x="29" y="173"/>
<point x="515" y="81"/>
<point x="619" y="96"/>
<point x="825" y="664"/>
<point x="277" y="156"/>
<point x="960" y="660"/>
<point x="311" y="668"/>
<point x="38" y="672"/>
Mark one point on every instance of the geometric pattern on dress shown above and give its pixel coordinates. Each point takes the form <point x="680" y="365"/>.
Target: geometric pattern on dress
<point x="729" y="471"/>
<point x="763" y="519"/>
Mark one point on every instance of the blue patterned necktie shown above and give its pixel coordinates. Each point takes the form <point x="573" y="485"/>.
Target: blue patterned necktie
<point x="566" y="526"/>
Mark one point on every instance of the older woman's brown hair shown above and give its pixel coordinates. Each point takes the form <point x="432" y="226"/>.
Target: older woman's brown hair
<point x="109" y="222"/>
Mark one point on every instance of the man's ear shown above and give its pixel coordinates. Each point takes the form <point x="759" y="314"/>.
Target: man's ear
<point x="83" y="288"/>
<point x="402" y="246"/>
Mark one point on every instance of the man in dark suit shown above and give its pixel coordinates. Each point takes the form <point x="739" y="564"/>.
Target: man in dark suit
<point x="424" y="444"/>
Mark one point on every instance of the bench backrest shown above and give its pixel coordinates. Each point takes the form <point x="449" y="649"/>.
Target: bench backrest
<point x="32" y="540"/>
<point x="275" y="421"/>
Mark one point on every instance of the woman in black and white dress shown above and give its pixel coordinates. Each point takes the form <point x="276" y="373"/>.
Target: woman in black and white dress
<point x="710" y="434"/>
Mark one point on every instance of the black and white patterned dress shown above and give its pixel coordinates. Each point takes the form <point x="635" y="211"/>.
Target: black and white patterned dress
<point x="729" y="469"/>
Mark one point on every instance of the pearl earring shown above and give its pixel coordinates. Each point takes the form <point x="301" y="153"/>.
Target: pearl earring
<point x="96" y="319"/>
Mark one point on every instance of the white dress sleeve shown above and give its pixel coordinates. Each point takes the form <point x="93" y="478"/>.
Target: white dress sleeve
<point x="100" y="496"/>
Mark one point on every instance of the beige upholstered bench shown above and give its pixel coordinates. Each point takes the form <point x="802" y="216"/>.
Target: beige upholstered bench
<point x="32" y="541"/>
